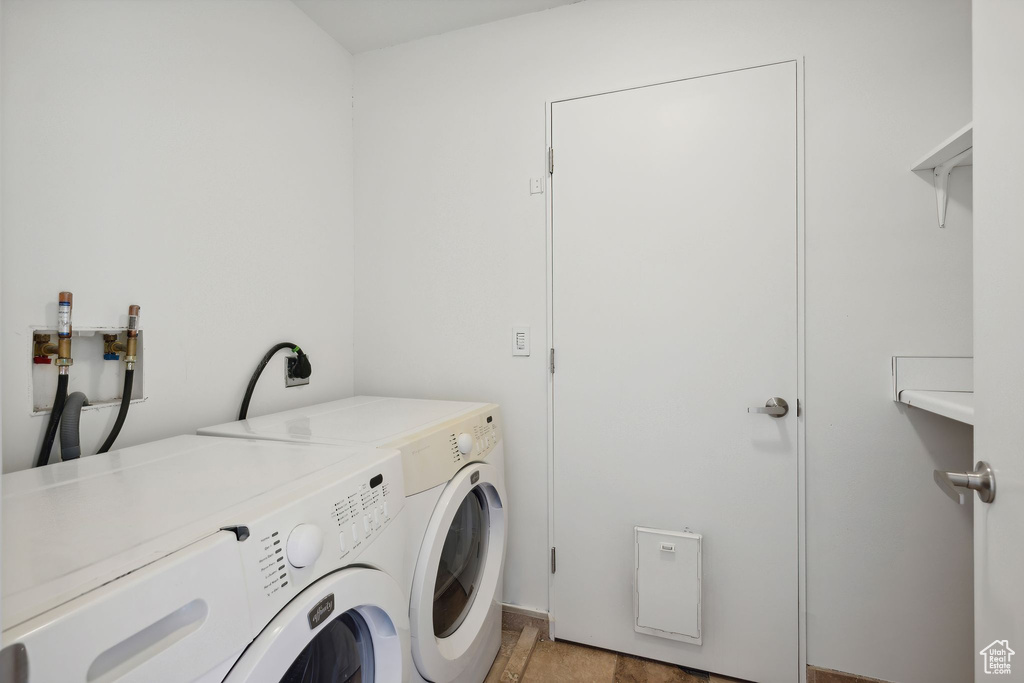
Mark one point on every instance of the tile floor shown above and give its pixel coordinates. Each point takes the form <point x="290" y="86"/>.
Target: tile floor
<point x="559" y="662"/>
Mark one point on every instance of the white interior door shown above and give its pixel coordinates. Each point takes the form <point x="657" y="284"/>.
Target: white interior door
<point x="674" y="285"/>
<point x="998" y="331"/>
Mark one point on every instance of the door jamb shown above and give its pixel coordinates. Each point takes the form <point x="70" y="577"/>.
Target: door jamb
<point x="801" y="350"/>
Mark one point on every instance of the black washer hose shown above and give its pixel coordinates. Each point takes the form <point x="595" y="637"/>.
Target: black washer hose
<point x="122" y="412"/>
<point x="244" y="410"/>
<point x="51" y="426"/>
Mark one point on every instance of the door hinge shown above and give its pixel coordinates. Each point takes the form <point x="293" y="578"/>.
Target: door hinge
<point x="552" y="559"/>
<point x="551" y="362"/>
<point x="551" y="160"/>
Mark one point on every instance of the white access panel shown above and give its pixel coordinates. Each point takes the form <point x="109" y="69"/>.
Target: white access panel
<point x="666" y="585"/>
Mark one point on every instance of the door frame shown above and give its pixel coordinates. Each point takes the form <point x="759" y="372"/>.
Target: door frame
<point x="801" y="441"/>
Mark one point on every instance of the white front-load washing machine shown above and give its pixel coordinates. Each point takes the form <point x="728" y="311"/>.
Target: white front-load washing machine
<point x="203" y="559"/>
<point x="453" y="464"/>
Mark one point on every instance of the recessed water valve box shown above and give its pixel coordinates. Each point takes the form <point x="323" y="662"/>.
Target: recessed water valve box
<point x="94" y="373"/>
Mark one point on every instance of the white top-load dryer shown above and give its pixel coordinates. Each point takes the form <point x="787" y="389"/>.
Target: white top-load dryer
<point x="206" y="559"/>
<point x="453" y="462"/>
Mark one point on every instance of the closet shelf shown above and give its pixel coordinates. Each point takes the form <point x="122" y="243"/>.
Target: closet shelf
<point x="958" y="143"/>
<point x="957" y="150"/>
<point x="956" y="405"/>
<point x="943" y="385"/>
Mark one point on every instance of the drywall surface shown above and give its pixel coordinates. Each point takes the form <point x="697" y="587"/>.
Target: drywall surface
<point x="191" y="157"/>
<point x="450" y="129"/>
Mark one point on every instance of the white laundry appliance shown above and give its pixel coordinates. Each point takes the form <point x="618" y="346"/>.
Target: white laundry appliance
<point x="453" y="460"/>
<point x="202" y="559"/>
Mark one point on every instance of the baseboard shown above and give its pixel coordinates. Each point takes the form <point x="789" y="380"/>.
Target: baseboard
<point x="818" y="675"/>
<point x="515" y="618"/>
<point x="525" y="611"/>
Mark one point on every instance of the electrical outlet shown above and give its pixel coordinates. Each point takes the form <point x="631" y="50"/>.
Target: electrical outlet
<point x="290" y="381"/>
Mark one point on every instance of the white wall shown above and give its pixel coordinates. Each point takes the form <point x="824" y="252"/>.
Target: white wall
<point x="194" y="158"/>
<point x="451" y="250"/>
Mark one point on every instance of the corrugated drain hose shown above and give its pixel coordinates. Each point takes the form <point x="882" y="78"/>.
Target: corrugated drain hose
<point x="70" y="434"/>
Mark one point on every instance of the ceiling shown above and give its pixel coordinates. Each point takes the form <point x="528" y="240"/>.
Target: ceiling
<point x="362" y="25"/>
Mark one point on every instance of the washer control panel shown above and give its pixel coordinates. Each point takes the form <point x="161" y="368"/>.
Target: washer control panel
<point x="362" y="513"/>
<point x="432" y="458"/>
<point x="318" y="529"/>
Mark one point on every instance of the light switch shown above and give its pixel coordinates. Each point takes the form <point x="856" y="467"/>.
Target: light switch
<point x="536" y="186"/>
<point x="520" y="341"/>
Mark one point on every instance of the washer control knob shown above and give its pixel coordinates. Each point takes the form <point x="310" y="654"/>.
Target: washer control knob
<point x="305" y="543"/>
<point x="465" y="443"/>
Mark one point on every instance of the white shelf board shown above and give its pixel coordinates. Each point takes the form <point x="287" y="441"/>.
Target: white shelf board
<point x="956" y="405"/>
<point x="959" y="142"/>
<point x="932" y="373"/>
<point x="939" y="384"/>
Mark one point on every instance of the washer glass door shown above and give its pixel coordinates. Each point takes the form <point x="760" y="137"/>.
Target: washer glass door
<point x="350" y="626"/>
<point x="456" y="585"/>
<point x="342" y="652"/>
<point x="460" y="568"/>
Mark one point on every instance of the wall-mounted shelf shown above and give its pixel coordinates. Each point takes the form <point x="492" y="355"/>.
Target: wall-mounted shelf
<point x="957" y="150"/>
<point x="956" y="405"/>
<point x="938" y="384"/>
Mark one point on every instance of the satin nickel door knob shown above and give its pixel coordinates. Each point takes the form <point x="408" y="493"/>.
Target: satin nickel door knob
<point x="956" y="484"/>
<point x="773" y="407"/>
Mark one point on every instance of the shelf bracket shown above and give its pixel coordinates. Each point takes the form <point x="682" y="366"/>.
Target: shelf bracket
<point x="942" y="172"/>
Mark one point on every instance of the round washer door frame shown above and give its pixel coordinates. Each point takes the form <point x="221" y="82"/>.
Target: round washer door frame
<point x="372" y="593"/>
<point x="442" y="659"/>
